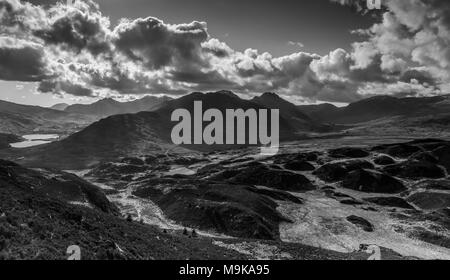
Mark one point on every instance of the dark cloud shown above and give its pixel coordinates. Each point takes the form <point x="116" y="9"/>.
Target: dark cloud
<point x="78" y="31"/>
<point x="419" y="75"/>
<point x="156" y="44"/>
<point x="21" y="62"/>
<point x="49" y="86"/>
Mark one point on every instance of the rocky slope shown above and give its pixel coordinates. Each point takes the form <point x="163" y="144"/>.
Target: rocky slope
<point x="290" y="112"/>
<point x="40" y="221"/>
<point x="336" y="199"/>
<point x="7" y="139"/>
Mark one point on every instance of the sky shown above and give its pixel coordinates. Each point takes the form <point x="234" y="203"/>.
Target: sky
<point x="307" y="51"/>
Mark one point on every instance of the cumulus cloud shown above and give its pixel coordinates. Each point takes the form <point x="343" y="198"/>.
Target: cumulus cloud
<point x="156" y="44"/>
<point x="21" y="60"/>
<point x="74" y="49"/>
<point x="408" y="49"/>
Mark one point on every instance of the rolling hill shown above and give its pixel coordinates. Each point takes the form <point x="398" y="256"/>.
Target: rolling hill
<point x="108" y="107"/>
<point x="379" y="107"/>
<point x="24" y="119"/>
<point x="60" y="106"/>
<point x="6" y="139"/>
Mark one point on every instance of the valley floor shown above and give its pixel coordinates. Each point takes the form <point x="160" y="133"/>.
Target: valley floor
<point x="320" y="221"/>
<point x="316" y="199"/>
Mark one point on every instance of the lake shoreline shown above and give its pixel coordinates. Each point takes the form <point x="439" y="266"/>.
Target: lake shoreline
<point x="31" y="140"/>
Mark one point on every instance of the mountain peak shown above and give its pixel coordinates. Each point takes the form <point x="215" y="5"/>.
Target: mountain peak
<point x="227" y="93"/>
<point x="60" y="106"/>
<point x="270" y="95"/>
<point x="382" y="98"/>
<point x="108" y="100"/>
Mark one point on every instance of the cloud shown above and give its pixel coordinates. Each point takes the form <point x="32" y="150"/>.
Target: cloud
<point x="296" y="44"/>
<point x="21" y="61"/>
<point x="78" y="27"/>
<point x="156" y="44"/>
<point x="411" y="35"/>
<point x="73" y="49"/>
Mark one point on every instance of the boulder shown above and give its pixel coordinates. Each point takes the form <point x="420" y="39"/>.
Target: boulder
<point x="361" y="223"/>
<point x="390" y="202"/>
<point x="424" y="157"/>
<point x="328" y="188"/>
<point x="234" y="210"/>
<point x="299" y="166"/>
<point x="333" y="172"/>
<point x="398" y="150"/>
<point x="149" y="159"/>
<point x="348" y="152"/>
<point x="429" y="200"/>
<point x="276" y="194"/>
<point x="384" y="160"/>
<point x="372" y="182"/>
<point x="132" y="161"/>
<point x="358" y="164"/>
<point x="299" y="157"/>
<point x="412" y="169"/>
<point x="210" y="168"/>
<point x="185" y="160"/>
<point x="442" y="184"/>
<point x="341" y="195"/>
<point x="261" y="175"/>
<point x="308" y="156"/>
<point x="443" y="156"/>
<point x="430" y="144"/>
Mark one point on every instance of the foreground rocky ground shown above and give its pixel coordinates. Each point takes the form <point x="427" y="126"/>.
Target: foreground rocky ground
<point x="395" y="196"/>
<point x="307" y="202"/>
<point x="44" y="212"/>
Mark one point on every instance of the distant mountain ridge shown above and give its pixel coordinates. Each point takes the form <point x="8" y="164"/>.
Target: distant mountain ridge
<point x="108" y="107"/>
<point x="379" y="107"/>
<point x="26" y="119"/>
<point x="141" y="133"/>
<point x="150" y="132"/>
<point x="60" y="106"/>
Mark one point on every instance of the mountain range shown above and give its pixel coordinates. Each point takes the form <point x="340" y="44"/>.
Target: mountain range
<point x="64" y="119"/>
<point x="131" y="134"/>
<point x="108" y="106"/>
<point x="150" y="132"/>
<point x="379" y="107"/>
<point x="60" y="106"/>
<point x="24" y="119"/>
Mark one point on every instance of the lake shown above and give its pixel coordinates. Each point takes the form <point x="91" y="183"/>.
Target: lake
<point x="35" y="140"/>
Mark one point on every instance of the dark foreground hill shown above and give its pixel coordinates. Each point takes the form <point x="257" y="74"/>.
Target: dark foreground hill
<point x="289" y="112"/>
<point x="7" y="139"/>
<point x="104" y="140"/>
<point x="37" y="225"/>
<point x="60" y="106"/>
